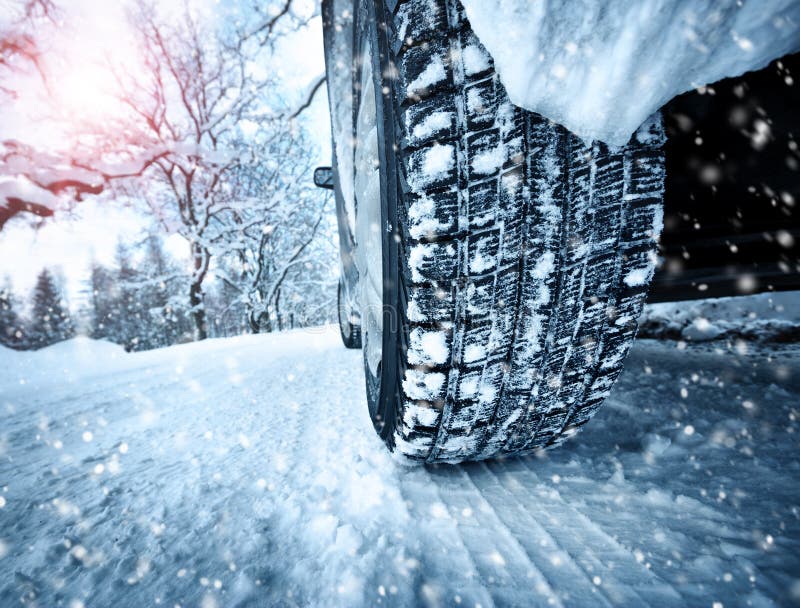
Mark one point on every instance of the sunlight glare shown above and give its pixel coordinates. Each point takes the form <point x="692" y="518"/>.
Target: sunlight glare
<point x="86" y="92"/>
<point x="83" y="86"/>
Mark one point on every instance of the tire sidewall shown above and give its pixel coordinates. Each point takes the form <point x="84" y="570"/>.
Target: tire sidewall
<point x="383" y="392"/>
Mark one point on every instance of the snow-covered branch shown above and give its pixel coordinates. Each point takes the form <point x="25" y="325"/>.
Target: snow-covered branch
<point x="309" y="96"/>
<point x="39" y="183"/>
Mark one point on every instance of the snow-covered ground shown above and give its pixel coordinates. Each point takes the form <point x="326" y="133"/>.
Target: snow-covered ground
<point x="245" y="472"/>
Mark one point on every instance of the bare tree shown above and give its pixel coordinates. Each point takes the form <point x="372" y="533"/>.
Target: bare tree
<point x="205" y="98"/>
<point x="19" y="47"/>
<point x="270" y="240"/>
<point x="210" y="146"/>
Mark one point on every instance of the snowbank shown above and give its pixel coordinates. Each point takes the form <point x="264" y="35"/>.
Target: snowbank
<point x="765" y="316"/>
<point x="601" y="68"/>
<point x="63" y="362"/>
<point x="77" y="350"/>
<point x="83" y="360"/>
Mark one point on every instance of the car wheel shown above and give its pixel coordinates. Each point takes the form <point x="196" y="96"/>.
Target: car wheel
<point x="503" y="261"/>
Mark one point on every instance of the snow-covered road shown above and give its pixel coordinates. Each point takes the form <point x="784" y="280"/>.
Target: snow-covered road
<point x="245" y="472"/>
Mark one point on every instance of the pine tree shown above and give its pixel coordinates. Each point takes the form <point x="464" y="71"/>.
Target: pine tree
<point x="51" y="320"/>
<point x="132" y="304"/>
<point x="102" y="298"/>
<point x="11" y="328"/>
<point x="161" y="325"/>
<point x="126" y="321"/>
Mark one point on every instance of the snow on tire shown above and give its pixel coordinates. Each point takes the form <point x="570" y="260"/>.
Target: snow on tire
<point x="524" y="253"/>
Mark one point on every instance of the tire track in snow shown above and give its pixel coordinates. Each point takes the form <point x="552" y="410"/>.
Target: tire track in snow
<point x="448" y="558"/>
<point x="624" y="580"/>
<point x="555" y="563"/>
<point x="508" y="571"/>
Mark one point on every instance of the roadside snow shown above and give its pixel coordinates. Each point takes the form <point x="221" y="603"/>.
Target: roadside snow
<point x="246" y="472"/>
<point x="601" y="68"/>
<point x="65" y="362"/>
<point x="765" y="316"/>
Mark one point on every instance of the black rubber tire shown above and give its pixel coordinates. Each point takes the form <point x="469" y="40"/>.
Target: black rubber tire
<point x="350" y="332"/>
<point x="514" y="274"/>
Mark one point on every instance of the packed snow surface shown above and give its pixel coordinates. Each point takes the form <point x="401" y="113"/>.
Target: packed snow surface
<point x="601" y="68"/>
<point x="245" y="472"/>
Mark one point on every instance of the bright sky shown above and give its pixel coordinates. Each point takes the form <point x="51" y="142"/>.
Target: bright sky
<point x="70" y="242"/>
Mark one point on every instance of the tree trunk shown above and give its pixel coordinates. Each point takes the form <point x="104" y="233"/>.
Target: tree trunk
<point x="198" y="312"/>
<point x="252" y="321"/>
<point x="201" y="257"/>
<point x="278" y="309"/>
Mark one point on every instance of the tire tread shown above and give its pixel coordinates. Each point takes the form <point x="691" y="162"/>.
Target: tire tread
<point x="524" y="269"/>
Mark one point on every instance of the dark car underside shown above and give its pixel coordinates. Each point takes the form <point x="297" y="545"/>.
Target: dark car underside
<point x="731" y="218"/>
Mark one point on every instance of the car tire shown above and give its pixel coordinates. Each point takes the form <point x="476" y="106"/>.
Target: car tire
<point x="516" y="257"/>
<point x="350" y="332"/>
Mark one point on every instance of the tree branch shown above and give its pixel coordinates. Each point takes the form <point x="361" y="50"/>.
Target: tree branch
<point x="309" y="96"/>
